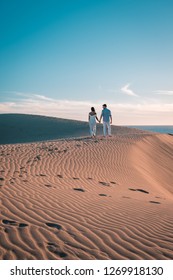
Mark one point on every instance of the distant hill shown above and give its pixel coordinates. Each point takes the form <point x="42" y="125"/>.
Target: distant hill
<point x="23" y="128"/>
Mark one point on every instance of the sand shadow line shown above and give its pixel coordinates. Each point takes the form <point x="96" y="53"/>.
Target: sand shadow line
<point x="104" y="183"/>
<point x="156" y="202"/>
<point x="54" y="225"/>
<point x="139" y="190"/>
<point x="79" y="189"/>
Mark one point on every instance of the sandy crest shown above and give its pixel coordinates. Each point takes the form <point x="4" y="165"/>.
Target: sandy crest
<point x="104" y="198"/>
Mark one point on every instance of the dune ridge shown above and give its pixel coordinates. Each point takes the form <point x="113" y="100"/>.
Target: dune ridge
<point x="103" y="198"/>
<point x="24" y="128"/>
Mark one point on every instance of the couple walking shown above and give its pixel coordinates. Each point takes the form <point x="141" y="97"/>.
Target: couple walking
<point x="107" y="120"/>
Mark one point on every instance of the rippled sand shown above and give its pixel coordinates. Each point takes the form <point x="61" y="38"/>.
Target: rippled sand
<point x="103" y="198"/>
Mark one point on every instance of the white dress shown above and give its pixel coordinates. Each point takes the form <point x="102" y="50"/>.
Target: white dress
<point x="92" y="124"/>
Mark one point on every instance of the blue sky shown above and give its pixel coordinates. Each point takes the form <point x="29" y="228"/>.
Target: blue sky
<point x="59" y="58"/>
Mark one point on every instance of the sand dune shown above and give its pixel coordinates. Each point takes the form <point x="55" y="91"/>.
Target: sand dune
<point x="104" y="198"/>
<point x="23" y="128"/>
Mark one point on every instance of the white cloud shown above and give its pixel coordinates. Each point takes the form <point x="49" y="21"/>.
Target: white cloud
<point x="125" y="89"/>
<point x="33" y="96"/>
<point x="148" y="108"/>
<point x="42" y="97"/>
<point x="164" y="92"/>
<point x="28" y="95"/>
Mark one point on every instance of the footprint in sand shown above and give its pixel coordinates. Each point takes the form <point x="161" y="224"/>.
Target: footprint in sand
<point x="9" y="222"/>
<point x="54" y="225"/>
<point x="60" y="176"/>
<point x="79" y="190"/>
<point x="102" y="194"/>
<point x="48" y="185"/>
<point x="112" y="182"/>
<point x="51" y="244"/>
<point x="89" y="178"/>
<point x="156" y="202"/>
<point x="139" y="190"/>
<point x="75" y="178"/>
<point x="52" y="247"/>
<point x="22" y="225"/>
<point x="104" y="183"/>
<point x="38" y="157"/>
<point x="14" y="223"/>
<point x="11" y="182"/>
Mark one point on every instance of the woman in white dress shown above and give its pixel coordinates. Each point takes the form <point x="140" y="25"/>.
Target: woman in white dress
<point x="92" y="117"/>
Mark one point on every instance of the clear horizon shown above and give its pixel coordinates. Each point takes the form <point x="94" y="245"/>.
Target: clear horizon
<point x="59" y="58"/>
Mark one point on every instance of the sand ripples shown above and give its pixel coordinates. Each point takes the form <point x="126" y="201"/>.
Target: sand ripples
<point x="87" y="199"/>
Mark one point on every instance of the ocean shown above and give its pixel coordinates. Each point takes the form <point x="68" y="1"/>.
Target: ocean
<point x="155" y="128"/>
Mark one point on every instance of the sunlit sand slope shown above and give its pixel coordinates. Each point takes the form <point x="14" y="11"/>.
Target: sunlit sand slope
<point x="104" y="198"/>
